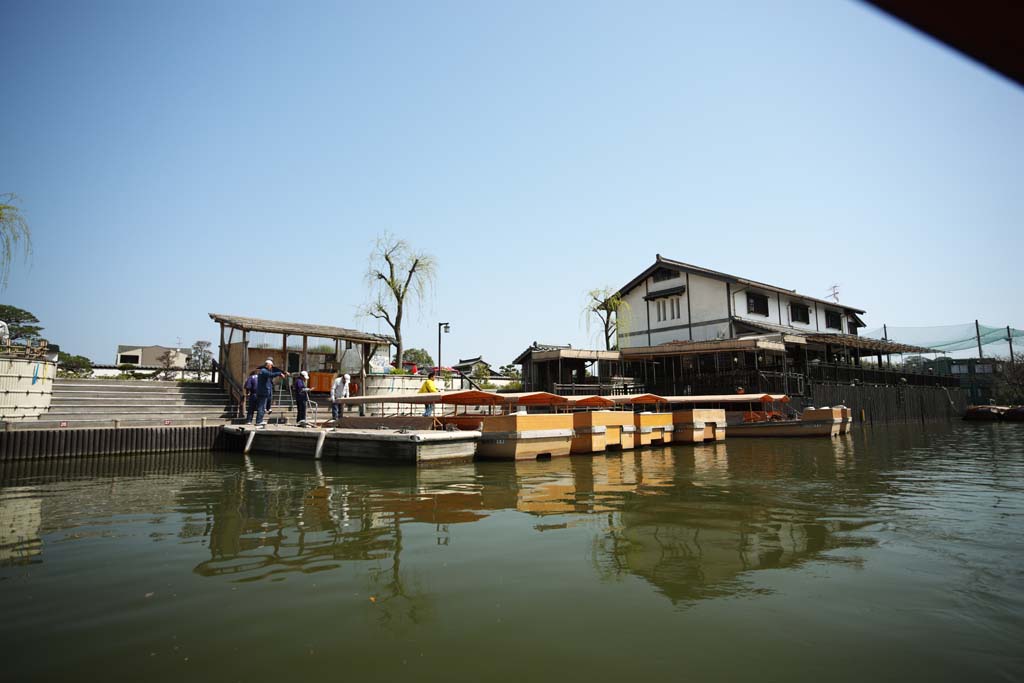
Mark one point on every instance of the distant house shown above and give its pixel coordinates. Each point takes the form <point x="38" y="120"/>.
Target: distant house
<point x="148" y="357"/>
<point x="467" y="366"/>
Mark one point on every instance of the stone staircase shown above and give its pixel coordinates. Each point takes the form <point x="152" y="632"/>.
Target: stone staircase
<point x="99" y="403"/>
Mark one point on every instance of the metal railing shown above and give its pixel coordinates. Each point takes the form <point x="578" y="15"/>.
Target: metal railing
<point x="599" y="389"/>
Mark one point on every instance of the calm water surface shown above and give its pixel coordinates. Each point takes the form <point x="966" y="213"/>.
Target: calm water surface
<point x="891" y="554"/>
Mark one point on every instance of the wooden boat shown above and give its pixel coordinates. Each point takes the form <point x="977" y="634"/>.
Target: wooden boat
<point x="746" y="415"/>
<point x="508" y="431"/>
<point x="985" y="413"/>
<point x="650" y="427"/>
<point x="1014" y="414"/>
<point x="591" y="427"/>
<point x="847" y="423"/>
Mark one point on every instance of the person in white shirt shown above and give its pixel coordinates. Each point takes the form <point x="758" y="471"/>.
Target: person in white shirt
<point x="339" y="389"/>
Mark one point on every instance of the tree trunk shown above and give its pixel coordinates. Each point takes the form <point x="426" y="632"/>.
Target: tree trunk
<point x="399" y="345"/>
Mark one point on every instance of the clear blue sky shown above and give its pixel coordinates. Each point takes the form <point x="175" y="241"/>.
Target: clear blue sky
<point x="179" y="158"/>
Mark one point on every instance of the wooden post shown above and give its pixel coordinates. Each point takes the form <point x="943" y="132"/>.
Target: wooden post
<point x="284" y="352"/>
<point x="977" y="331"/>
<point x="220" y="358"/>
<point x="305" y="353"/>
<point x="363" y="360"/>
<point x="1009" y="338"/>
<point x="245" y="355"/>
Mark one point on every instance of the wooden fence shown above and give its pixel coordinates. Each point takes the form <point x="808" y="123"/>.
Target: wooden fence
<point x="872" y="404"/>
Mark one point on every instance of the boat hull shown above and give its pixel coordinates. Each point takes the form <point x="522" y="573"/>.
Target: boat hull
<point x="789" y="428"/>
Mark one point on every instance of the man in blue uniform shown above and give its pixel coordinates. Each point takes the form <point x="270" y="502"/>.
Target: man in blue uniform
<point x="265" y="387"/>
<point x="250" y="395"/>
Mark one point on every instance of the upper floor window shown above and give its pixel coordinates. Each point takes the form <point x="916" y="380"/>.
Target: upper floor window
<point x="800" y="313"/>
<point x="757" y="303"/>
<point x="662" y="274"/>
<point x="131" y="359"/>
<point x="660" y="307"/>
<point x="833" y="320"/>
<point x="675" y="306"/>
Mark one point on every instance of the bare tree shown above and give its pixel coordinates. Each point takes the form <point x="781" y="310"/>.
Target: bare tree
<point x="610" y="309"/>
<point x="14" y="232"/>
<point x="395" y="272"/>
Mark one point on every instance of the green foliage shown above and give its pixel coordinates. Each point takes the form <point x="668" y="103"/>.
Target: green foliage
<point x="510" y="371"/>
<point x="610" y="309"/>
<point x="484" y="384"/>
<point x="22" y="324"/>
<point x="14" y="233"/>
<point x="73" y="366"/>
<point x="400" y="371"/>
<point x="200" y="359"/>
<point x="512" y="386"/>
<point x="418" y="356"/>
<point x="481" y="373"/>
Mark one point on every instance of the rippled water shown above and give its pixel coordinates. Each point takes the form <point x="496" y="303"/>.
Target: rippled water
<point x="891" y="554"/>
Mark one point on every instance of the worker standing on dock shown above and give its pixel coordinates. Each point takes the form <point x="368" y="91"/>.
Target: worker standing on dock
<point x="265" y="387"/>
<point x="339" y="389"/>
<point x="250" y="395"/>
<point x="301" y="392"/>
<point x="429" y="387"/>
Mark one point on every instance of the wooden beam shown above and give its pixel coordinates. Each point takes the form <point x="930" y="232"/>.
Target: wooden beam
<point x="220" y="358"/>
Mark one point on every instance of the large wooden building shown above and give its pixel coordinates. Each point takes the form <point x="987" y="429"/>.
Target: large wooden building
<point x="687" y="330"/>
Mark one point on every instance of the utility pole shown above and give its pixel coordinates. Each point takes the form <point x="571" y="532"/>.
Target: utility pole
<point x="1009" y="338"/>
<point x="977" y="332"/>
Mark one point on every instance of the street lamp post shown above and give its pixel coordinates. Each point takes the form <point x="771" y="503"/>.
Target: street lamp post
<point x="446" y="329"/>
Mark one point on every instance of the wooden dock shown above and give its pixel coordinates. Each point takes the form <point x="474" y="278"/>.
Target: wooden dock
<point x="405" y="446"/>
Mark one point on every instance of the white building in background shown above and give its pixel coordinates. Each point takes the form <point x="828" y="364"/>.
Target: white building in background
<point x="675" y="301"/>
<point x="148" y="357"/>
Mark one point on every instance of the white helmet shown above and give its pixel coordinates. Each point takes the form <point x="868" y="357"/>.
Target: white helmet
<point x="305" y="375"/>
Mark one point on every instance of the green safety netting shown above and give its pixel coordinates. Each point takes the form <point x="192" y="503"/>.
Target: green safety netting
<point x="949" y="338"/>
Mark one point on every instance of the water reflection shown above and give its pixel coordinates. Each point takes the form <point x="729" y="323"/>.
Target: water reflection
<point x="688" y="519"/>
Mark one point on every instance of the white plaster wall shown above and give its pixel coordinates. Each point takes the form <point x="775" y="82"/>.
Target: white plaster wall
<point x="708" y="299"/>
<point x="637" y="320"/>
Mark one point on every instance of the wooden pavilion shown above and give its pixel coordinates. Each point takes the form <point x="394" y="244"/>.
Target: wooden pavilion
<point x="234" y="357"/>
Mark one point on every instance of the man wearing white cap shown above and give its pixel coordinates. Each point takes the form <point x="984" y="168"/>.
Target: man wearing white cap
<point x="301" y="391"/>
<point x="265" y="387"/>
<point x="339" y="389"/>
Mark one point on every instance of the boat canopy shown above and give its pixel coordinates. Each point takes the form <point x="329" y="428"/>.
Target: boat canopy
<point x="591" y="401"/>
<point x="534" y="398"/>
<point x="637" y="398"/>
<point x="729" y="398"/>
<point x="468" y="397"/>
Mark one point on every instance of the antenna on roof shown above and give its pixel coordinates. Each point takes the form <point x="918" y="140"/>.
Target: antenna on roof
<point x="833" y="293"/>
